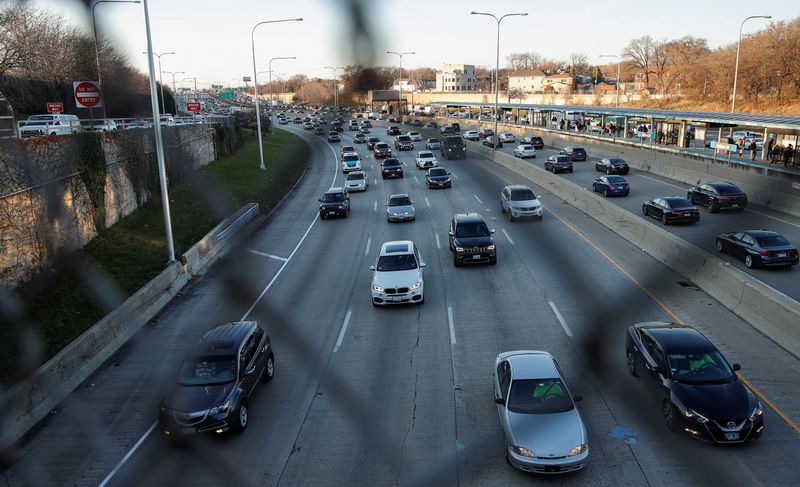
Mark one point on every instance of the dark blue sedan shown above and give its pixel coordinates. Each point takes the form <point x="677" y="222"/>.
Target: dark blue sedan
<point x="759" y="248"/>
<point x="611" y="186"/>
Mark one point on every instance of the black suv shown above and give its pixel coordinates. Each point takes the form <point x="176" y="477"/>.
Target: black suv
<point x="217" y="380"/>
<point x="393" y="130"/>
<point x="382" y="150"/>
<point x="574" y="152"/>
<point x="718" y="196"/>
<point x="391" y="168"/>
<point x="471" y="240"/>
<point x="403" y="142"/>
<point x="335" y="202"/>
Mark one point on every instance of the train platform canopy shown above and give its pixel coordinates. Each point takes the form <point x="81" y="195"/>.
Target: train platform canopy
<point x="736" y="119"/>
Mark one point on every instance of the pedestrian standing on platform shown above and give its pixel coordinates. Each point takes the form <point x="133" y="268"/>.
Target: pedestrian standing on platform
<point x="770" y="143"/>
<point x="753" y="147"/>
<point x="740" y="146"/>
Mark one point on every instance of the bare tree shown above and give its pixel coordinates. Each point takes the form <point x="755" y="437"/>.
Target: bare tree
<point x="524" y="60"/>
<point x="579" y="64"/>
<point x="641" y="52"/>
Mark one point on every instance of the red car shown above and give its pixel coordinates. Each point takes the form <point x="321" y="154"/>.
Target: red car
<point x="489" y="141"/>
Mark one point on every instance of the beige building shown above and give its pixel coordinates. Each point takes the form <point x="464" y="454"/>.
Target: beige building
<point x="558" y="83"/>
<point x="456" y="77"/>
<point x="527" y="80"/>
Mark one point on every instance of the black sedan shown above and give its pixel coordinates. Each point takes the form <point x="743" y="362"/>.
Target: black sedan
<point x="612" y="165"/>
<point x="574" y="152"/>
<point x="438" y="177"/>
<point x="759" y="248"/>
<point x="671" y="209"/>
<point x="718" y="196"/>
<point x="393" y="131"/>
<point x="697" y="389"/>
<point x="490" y="140"/>
<point x="611" y="186"/>
<point x="371" y="141"/>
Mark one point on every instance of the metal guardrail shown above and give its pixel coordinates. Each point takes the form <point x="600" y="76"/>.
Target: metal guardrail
<point x="237" y="221"/>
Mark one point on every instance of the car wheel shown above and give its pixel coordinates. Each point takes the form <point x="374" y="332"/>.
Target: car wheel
<point x="719" y="246"/>
<point x="712" y="208"/>
<point x="605" y="192"/>
<point x="269" y="369"/>
<point x="422" y="301"/>
<point x="510" y="216"/>
<point x="321" y="216"/>
<point x="344" y="214"/>
<point x="608" y="171"/>
<point x="502" y="208"/>
<point x="669" y="416"/>
<point x="493" y="261"/>
<point x="570" y="171"/>
<point x="242" y="418"/>
<point x="749" y="262"/>
<point x="645" y="212"/>
<point x="456" y="263"/>
<point x="630" y="362"/>
<point x="664" y="218"/>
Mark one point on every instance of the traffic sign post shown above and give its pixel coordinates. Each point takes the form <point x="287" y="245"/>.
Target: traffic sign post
<point x="55" y="107"/>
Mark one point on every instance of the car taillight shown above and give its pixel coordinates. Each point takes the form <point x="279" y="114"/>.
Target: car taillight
<point x="723" y="197"/>
<point x="792" y="252"/>
<point x="676" y="212"/>
<point x="765" y="253"/>
<point x="610" y="186"/>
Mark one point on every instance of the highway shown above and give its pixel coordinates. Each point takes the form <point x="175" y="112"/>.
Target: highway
<point x="403" y="395"/>
<point x="646" y="186"/>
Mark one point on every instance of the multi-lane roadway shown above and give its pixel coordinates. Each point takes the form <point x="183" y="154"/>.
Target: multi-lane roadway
<point x="403" y="395"/>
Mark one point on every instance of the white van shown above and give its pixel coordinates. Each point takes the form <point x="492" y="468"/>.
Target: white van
<point x="50" y="124"/>
<point x="167" y="120"/>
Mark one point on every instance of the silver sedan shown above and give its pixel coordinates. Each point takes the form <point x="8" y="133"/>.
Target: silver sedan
<point x="543" y="430"/>
<point x="399" y="208"/>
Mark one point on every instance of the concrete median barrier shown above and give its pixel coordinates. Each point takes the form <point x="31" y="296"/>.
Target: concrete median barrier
<point x="771" y="312"/>
<point x="29" y="401"/>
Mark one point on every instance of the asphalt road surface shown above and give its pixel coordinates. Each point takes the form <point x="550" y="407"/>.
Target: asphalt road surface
<point x="403" y="395"/>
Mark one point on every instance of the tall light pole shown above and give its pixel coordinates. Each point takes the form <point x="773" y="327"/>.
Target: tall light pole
<point x="400" y="84"/>
<point x="497" y="67"/>
<point x="739" y="45"/>
<point x="335" y="87"/>
<point x="162" y="171"/>
<point x="160" y="81"/>
<point x="174" y="93"/>
<point x="96" y="48"/>
<point x="619" y="61"/>
<point x="271" y="105"/>
<point x="255" y="83"/>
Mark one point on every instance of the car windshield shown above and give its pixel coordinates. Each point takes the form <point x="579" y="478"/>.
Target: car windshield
<point x="433" y="141"/>
<point x="353" y="176"/>
<point x="204" y="371"/>
<point x="381" y="146"/>
<point x="700" y="367"/>
<point x="391" y="162"/>
<point x="539" y="396"/>
<point x="404" y="138"/>
<point x="399" y="201"/>
<point x="425" y="155"/>
<point x="472" y="229"/>
<point x="438" y="172"/>
<point x="522" y="195"/>
<point x="398" y="262"/>
<point x="348" y="148"/>
<point x="772" y="240"/>
<point x="350" y="157"/>
<point x="332" y="198"/>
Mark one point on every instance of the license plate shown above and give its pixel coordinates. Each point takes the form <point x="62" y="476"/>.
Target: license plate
<point x="687" y="214"/>
<point x="188" y="431"/>
<point x="781" y="254"/>
<point x="732" y="436"/>
<point x="331" y="213"/>
<point x="395" y="298"/>
<point x="735" y="205"/>
<point x="476" y="256"/>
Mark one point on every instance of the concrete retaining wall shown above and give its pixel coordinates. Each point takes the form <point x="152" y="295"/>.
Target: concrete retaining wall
<point x="774" y="191"/>
<point x="768" y="310"/>
<point x="28" y="402"/>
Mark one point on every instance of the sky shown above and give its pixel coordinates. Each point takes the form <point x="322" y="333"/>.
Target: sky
<point x="212" y="39"/>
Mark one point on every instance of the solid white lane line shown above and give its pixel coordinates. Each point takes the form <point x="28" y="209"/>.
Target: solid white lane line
<point x="342" y="331"/>
<point x="560" y="319"/>
<point x="660" y="181"/>
<point x="452" y="326"/>
<point x="507" y="237"/>
<point x="369" y="242"/>
<point x="128" y="455"/>
<point x="264" y="254"/>
<point x="375" y="205"/>
<point x="476" y="197"/>
<point x="438" y="245"/>
<point x="773" y="217"/>
<point x="415" y="178"/>
<point x="454" y="175"/>
<point x="427" y="202"/>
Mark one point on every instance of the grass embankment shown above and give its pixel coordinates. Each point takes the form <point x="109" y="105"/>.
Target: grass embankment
<point x="133" y="251"/>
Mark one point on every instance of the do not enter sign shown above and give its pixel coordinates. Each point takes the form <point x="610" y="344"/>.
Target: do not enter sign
<point x="87" y="94"/>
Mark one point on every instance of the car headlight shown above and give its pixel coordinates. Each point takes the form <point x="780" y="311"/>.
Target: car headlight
<point x="521" y="450"/>
<point x="491" y="247"/>
<point x="220" y="409"/>
<point x="377" y="288"/>
<point x="577" y="450"/>
<point x="757" y="412"/>
<point x="416" y="285"/>
<point x="341" y="207"/>
<point x="691" y="414"/>
<point x="459" y="249"/>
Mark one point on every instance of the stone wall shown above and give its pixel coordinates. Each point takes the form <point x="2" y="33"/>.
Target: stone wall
<point x="57" y="192"/>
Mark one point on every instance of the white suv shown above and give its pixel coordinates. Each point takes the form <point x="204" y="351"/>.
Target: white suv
<point x="426" y="159"/>
<point x="397" y="277"/>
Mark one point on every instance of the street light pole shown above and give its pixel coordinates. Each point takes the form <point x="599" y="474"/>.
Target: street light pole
<point x="739" y="45"/>
<point x="619" y="61"/>
<point x="400" y="84"/>
<point x="96" y="48"/>
<point x="160" y="80"/>
<point x="162" y="171"/>
<point x="335" y="87"/>
<point x="497" y="68"/>
<point x="271" y="104"/>
<point x="255" y="82"/>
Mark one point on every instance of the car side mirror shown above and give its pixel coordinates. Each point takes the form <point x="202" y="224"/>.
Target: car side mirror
<point x="737" y="367"/>
<point x="249" y="371"/>
<point x="423" y="264"/>
<point x="491" y="231"/>
<point x="500" y="400"/>
<point x="372" y="267"/>
<point x="658" y="369"/>
<point x="320" y="200"/>
<point x="450" y="233"/>
<point x="577" y="398"/>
